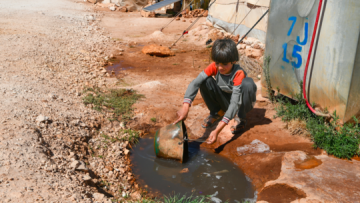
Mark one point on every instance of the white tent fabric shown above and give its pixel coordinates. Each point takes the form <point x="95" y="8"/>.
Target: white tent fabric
<point x="222" y="14"/>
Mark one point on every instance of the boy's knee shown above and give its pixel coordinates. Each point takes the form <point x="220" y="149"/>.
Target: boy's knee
<point x="208" y="82"/>
<point x="248" y="84"/>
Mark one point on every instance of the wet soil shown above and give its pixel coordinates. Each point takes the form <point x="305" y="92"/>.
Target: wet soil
<point x="309" y="163"/>
<point x="163" y="98"/>
<point x="280" y="193"/>
<point x="204" y="173"/>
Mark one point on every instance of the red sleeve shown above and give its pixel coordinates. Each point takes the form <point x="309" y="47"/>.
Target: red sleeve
<point x="239" y="76"/>
<point x="211" y="70"/>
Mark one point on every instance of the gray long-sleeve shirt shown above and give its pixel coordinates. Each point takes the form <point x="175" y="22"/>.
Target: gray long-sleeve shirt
<point x="230" y="83"/>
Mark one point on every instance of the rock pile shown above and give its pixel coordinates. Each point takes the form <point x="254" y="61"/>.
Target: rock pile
<point x="194" y="13"/>
<point x="157" y="50"/>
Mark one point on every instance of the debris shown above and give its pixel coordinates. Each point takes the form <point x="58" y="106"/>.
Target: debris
<point x="157" y="50"/>
<point x="185" y="170"/>
<point x="136" y="195"/>
<point x="220" y="172"/>
<point x="98" y="196"/>
<point x="147" y="14"/>
<point x="86" y="178"/>
<point x="123" y="9"/>
<point x="41" y="119"/>
<point x="256" y="146"/>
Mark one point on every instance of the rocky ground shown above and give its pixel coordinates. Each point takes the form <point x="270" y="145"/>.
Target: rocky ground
<point x="49" y="52"/>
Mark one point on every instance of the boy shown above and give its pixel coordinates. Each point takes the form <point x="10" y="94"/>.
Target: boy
<point x="232" y="92"/>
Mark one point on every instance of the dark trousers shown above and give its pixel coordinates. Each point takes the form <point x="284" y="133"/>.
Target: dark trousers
<point x="216" y="99"/>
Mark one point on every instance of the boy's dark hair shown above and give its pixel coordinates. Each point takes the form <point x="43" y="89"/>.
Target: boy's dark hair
<point x="224" y="51"/>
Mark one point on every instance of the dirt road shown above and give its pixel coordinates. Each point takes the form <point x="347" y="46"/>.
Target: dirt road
<point x="45" y="55"/>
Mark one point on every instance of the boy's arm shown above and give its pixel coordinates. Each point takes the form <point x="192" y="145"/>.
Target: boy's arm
<point x="194" y="86"/>
<point x="236" y="97"/>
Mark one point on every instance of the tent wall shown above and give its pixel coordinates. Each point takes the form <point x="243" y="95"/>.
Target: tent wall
<point x="222" y="14"/>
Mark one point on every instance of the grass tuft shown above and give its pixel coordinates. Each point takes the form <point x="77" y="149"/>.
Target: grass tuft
<point x="117" y="102"/>
<point x="132" y="136"/>
<point x="340" y="141"/>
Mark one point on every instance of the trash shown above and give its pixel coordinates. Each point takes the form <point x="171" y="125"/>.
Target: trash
<point x="220" y="172"/>
<point x="185" y="170"/>
<point x="207" y="174"/>
<point x="256" y="146"/>
<point x="218" y="177"/>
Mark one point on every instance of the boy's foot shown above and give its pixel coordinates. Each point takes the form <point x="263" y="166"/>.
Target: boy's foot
<point x="210" y="121"/>
<point x="238" y="126"/>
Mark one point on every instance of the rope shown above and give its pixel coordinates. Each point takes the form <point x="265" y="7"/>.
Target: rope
<point x="253" y="27"/>
<point x="161" y="29"/>
<point x="244" y="17"/>
<point x="186" y="31"/>
<point x="237" y="10"/>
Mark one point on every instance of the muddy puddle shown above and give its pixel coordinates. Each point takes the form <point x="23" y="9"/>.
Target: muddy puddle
<point x="117" y="67"/>
<point x="309" y="163"/>
<point x="204" y="173"/>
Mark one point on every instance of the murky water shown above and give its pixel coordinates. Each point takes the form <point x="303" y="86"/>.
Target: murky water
<point x="309" y="163"/>
<point x="205" y="173"/>
<point x="116" y="68"/>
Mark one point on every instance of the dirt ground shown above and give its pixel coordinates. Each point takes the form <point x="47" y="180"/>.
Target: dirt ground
<point x="50" y="50"/>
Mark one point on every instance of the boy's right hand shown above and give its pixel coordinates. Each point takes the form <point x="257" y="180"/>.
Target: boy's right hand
<point x="183" y="113"/>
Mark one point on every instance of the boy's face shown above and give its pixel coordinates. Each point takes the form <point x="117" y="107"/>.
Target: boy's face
<point x="224" y="68"/>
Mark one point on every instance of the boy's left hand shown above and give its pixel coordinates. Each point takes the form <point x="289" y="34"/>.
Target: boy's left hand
<point x="212" y="137"/>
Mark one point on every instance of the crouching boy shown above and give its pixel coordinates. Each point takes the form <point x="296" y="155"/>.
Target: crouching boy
<point x="230" y="92"/>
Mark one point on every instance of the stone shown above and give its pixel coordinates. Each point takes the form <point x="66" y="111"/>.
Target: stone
<point x="86" y="178"/>
<point x="185" y="170"/>
<point x="82" y="167"/>
<point x="157" y="50"/>
<point x="41" y="119"/>
<point x="147" y="14"/>
<point x="53" y="96"/>
<point x="123" y="9"/>
<point x="75" y="164"/>
<point x="110" y="168"/>
<point x="241" y="46"/>
<point x="254" y="53"/>
<point x="131" y="8"/>
<point x="112" y="8"/>
<point x="98" y="196"/>
<point x="136" y="195"/>
<point x="177" y="18"/>
<point x="184" y="20"/>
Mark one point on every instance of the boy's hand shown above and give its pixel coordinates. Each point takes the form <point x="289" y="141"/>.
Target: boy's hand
<point x="212" y="137"/>
<point x="214" y="134"/>
<point x="183" y="113"/>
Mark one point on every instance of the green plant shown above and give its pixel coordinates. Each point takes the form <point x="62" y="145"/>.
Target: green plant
<point x="186" y="199"/>
<point x="153" y="120"/>
<point x="100" y="156"/>
<point x="340" y="141"/>
<point x="117" y="102"/>
<point x="266" y="69"/>
<point x="129" y="135"/>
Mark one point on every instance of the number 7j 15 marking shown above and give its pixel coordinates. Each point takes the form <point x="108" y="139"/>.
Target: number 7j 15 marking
<point x="292" y="18"/>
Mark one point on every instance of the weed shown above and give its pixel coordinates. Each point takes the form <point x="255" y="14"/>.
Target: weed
<point x="266" y="69"/>
<point x="186" y="199"/>
<point x="100" y="156"/>
<point x="129" y="135"/>
<point x="153" y="120"/>
<point x="340" y="141"/>
<point x="105" y="136"/>
<point x="117" y="102"/>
